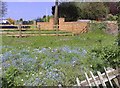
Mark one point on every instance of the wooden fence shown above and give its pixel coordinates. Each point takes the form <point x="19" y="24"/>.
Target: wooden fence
<point x="101" y="79"/>
<point x="20" y="31"/>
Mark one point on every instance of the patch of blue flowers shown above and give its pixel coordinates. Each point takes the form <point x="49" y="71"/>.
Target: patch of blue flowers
<point x="42" y="66"/>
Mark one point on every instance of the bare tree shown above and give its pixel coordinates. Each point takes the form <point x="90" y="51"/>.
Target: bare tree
<point x="3" y="8"/>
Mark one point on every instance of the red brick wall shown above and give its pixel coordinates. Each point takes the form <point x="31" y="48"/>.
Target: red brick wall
<point x="46" y="25"/>
<point x="76" y="27"/>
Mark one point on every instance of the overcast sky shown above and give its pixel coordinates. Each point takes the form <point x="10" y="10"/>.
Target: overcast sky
<point x="28" y="10"/>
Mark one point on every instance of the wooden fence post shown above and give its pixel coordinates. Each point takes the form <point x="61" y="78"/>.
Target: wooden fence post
<point x="20" y="28"/>
<point x="95" y="82"/>
<point x="87" y="79"/>
<point x="108" y="77"/>
<point x="39" y="29"/>
<point x="117" y="79"/>
<point x="78" y="81"/>
<point x="35" y="25"/>
<point x="72" y="30"/>
<point x="101" y="79"/>
<point x="56" y="29"/>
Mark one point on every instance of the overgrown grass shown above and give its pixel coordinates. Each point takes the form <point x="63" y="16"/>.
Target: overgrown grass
<point x="48" y="60"/>
<point x="90" y="39"/>
<point x="25" y="31"/>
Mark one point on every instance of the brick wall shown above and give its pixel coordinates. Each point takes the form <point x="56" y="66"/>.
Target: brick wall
<point x="75" y="27"/>
<point x="46" y="25"/>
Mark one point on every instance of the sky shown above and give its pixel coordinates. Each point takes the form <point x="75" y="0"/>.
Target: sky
<point x="28" y="10"/>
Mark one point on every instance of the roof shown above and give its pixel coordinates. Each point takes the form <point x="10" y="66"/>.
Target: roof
<point x="4" y="21"/>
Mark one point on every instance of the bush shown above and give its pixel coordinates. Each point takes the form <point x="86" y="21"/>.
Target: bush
<point x="95" y="26"/>
<point x="112" y="17"/>
<point x="118" y="21"/>
<point x="110" y="55"/>
<point x="8" y="80"/>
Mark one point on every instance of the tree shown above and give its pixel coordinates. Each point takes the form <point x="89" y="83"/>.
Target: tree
<point x="112" y="7"/>
<point x="11" y="21"/>
<point x="45" y="18"/>
<point x="68" y="10"/>
<point x="93" y="10"/>
<point x="73" y="11"/>
<point x="3" y="9"/>
<point x="21" y="19"/>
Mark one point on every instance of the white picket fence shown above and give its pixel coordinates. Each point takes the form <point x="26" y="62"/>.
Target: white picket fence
<point x="100" y="79"/>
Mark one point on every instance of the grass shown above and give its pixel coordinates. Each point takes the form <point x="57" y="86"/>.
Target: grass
<point x="37" y="32"/>
<point x="95" y="39"/>
<point x="48" y="60"/>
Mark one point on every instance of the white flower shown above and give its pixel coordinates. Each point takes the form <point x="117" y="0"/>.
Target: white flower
<point x="40" y="73"/>
<point x="26" y="75"/>
<point x="21" y="79"/>
<point x="90" y="65"/>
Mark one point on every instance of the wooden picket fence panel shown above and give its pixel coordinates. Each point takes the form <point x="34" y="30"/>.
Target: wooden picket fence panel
<point x="101" y="79"/>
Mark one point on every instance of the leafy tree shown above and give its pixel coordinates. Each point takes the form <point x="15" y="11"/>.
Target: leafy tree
<point x="112" y="7"/>
<point x="3" y="8"/>
<point x="92" y="10"/>
<point x="68" y="10"/>
<point x="11" y="21"/>
<point x="21" y="19"/>
<point x="44" y="18"/>
<point x="39" y="19"/>
<point x="72" y="11"/>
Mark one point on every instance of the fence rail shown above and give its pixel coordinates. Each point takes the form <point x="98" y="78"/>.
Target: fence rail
<point x="38" y="27"/>
<point x="21" y="31"/>
<point x="15" y="25"/>
<point x="101" y="79"/>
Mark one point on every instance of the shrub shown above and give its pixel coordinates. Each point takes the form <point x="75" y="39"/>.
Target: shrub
<point x="112" y="17"/>
<point x="109" y="54"/>
<point x="118" y="31"/>
<point x="8" y="80"/>
<point x="96" y="25"/>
